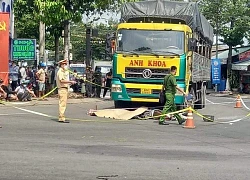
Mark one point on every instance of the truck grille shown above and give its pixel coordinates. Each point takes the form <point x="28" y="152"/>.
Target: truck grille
<point x="139" y="73"/>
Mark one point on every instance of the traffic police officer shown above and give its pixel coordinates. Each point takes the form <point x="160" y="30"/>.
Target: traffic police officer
<point x="170" y="87"/>
<point x="63" y="82"/>
<point x="98" y="82"/>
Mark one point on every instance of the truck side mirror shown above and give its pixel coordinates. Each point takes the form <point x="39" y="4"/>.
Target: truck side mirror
<point x="192" y="44"/>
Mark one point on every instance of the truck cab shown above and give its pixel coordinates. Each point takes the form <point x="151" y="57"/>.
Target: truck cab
<point x="148" y="44"/>
<point x="79" y="68"/>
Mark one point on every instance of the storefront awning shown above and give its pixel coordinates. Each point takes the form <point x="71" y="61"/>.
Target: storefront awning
<point x="242" y="66"/>
<point x="236" y="51"/>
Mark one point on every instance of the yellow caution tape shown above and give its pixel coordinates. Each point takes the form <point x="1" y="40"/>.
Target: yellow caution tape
<point x="48" y="93"/>
<point x="217" y="122"/>
<point x="88" y="80"/>
<point x="197" y="113"/>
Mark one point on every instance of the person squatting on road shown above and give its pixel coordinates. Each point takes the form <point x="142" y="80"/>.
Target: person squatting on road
<point x="63" y="82"/>
<point x="14" y="75"/>
<point x="23" y="92"/>
<point x="170" y="87"/>
<point x="6" y="92"/>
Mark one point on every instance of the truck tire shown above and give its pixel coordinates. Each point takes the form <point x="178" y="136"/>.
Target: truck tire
<point x="118" y="104"/>
<point x="199" y="104"/>
<point x="204" y="96"/>
<point x="202" y="102"/>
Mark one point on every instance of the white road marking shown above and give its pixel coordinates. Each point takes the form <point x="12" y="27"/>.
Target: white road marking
<point x="17" y="103"/>
<point x="230" y="98"/>
<point x="234" y="121"/>
<point x="209" y="101"/>
<point x="224" y="118"/>
<point x="12" y="114"/>
<point x="32" y="112"/>
<point x="228" y="118"/>
<point x="244" y="104"/>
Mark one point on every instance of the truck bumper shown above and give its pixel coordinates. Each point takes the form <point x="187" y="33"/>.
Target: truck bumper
<point x="140" y="92"/>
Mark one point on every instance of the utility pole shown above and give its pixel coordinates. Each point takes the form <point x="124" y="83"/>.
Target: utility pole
<point x="229" y="59"/>
<point x="217" y="37"/>
<point x="66" y="40"/>
<point x="88" y="46"/>
<point x="42" y="42"/>
<point x="67" y="32"/>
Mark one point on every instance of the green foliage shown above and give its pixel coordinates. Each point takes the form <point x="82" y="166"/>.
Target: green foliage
<point x="232" y="17"/>
<point x="26" y="25"/>
<point x="78" y="40"/>
<point x="53" y="13"/>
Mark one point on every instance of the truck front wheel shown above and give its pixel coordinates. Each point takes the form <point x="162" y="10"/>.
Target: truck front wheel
<point x="118" y="104"/>
<point x="202" y="101"/>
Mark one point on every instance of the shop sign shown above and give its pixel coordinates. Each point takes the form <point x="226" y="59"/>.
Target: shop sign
<point x="244" y="56"/>
<point x="24" y="49"/>
<point x="216" y="71"/>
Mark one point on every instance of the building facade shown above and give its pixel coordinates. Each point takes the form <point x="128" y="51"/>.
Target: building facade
<point x="7" y="6"/>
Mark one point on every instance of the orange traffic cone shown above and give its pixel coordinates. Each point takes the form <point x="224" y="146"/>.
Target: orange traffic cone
<point x="238" y="102"/>
<point x="190" y="120"/>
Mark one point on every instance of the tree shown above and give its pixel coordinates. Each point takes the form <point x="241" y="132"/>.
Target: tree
<point x="27" y="22"/>
<point x="25" y="19"/>
<point x="232" y="17"/>
<point x="66" y="11"/>
<point x="78" y="40"/>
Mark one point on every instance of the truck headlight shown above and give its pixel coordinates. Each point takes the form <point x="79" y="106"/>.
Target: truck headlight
<point x="116" y="88"/>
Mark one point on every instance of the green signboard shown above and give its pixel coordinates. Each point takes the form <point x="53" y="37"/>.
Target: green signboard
<point x="23" y="49"/>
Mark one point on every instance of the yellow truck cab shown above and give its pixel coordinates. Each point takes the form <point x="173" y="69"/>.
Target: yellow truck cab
<point x="153" y="36"/>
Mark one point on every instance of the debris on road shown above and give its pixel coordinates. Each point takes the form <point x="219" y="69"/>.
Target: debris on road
<point x="123" y="114"/>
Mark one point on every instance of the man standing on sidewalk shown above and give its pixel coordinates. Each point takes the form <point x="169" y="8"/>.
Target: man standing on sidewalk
<point x="63" y="82"/>
<point x="14" y="75"/>
<point x="170" y="87"/>
<point x="41" y="79"/>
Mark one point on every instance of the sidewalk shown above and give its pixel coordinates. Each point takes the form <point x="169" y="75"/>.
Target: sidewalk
<point x="211" y="92"/>
<point x="53" y="101"/>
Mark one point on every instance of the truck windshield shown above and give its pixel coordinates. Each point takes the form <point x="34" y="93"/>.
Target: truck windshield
<point x="79" y="70"/>
<point x="163" y="42"/>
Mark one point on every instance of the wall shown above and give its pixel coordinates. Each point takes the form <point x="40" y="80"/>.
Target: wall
<point x="7" y="6"/>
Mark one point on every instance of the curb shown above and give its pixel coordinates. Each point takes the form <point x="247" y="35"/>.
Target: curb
<point x="229" y="95"/>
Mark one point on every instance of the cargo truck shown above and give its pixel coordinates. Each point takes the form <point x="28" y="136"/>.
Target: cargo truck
<point x="151" y="37"/>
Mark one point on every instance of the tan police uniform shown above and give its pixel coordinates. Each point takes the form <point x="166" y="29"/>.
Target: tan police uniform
<point x="63" y="89"/>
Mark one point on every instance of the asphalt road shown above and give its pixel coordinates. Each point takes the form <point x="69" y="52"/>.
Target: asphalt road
<point x="34" y="147"/>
